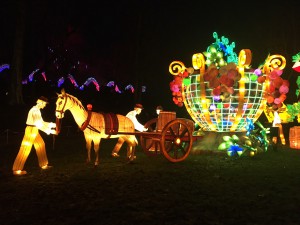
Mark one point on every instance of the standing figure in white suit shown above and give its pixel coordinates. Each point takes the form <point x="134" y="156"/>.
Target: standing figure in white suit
<point x="32" y="137"/>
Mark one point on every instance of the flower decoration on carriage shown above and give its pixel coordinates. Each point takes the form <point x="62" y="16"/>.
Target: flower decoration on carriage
<point x="222" y="90"/>
<point x="249" y="126"/>
<point x="276" y="88"/>
<point x="179" y="81"/>
<point x="231" y="144"/>
<point x="293" y="110"/>
<point x="222" y="81"/>
<point x="234" y="149"/>
<point x="296" y="60"/>
<point x="262" y="136"/>
<point x="255" y="141"/>
<point x="218" y="50"/>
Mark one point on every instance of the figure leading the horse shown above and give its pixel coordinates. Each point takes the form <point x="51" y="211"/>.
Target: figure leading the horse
<point x="97" y="125"/>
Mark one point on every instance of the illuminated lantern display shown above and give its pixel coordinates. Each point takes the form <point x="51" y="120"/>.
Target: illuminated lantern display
<point x="221" y="94"/>
<point x="32" y="138"/>
<point x="296" y="60"/>
<point x="96" y="126"/>
<point x="294" y="137"/>
<point x="293" y="110"/>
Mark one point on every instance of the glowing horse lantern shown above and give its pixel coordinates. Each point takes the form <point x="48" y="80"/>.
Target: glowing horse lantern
<point x="227" y="114"/>
<point x="97" y="125"/>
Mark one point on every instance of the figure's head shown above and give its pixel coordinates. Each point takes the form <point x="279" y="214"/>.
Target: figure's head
<point x="158" y="109"/>
<point x="42" y="101"/>
<point x="138" y="108"/>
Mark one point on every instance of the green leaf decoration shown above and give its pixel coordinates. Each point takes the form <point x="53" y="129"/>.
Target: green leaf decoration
<point x="223" y="146"/>
<point x="235" y="138"/>
<point x="296" y="57"/>
<point x="298" y="81"/>
<point x="226" y="138"/>
<point x="186" y="81"/>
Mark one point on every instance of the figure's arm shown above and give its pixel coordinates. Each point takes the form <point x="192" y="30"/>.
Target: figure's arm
<point x="46" y="127"/>
<point x="137" y="125"/>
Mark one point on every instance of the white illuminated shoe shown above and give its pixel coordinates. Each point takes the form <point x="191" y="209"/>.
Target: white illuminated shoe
<point x="115" y="155"/>
<point x="19" y="172"/>
<point x="131" y="158"/>
<point x="46" y="167"/>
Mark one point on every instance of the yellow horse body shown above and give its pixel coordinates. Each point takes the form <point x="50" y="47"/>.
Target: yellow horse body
<point x="93" y="126"/>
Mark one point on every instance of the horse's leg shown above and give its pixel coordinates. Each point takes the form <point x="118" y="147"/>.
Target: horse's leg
<point x="88" y="145"/>
<point x="117" y="147"/>
<point x="96" y="149"/>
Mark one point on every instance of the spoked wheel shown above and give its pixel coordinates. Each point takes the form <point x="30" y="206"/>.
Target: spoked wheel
<point x="176" y="140"/>
<point x="150" y="144"/>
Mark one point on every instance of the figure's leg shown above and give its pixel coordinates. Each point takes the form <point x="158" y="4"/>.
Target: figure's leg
<point x="40" y="149"/>
<point x="117" y="147"/>
<point x="131" y="144"/>
<point x="281" y="134"/>
<point x="26" y="145"/>
<point x="274" y="136"/>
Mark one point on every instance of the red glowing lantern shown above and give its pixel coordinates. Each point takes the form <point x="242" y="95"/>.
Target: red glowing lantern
<point x="296" y="67"/>
<point x="270" y="99"/>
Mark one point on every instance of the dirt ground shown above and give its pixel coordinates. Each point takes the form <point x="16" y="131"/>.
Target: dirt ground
<point x="206" y="188"/>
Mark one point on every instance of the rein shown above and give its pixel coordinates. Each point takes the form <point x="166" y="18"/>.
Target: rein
<point x="58" y="125"/>
<point x="86" y="123"/>
<point x="58" y="121"/>
<point x="83" y="126"/>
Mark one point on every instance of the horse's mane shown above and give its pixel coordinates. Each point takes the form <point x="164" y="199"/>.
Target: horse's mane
<point x="75" y="100"/>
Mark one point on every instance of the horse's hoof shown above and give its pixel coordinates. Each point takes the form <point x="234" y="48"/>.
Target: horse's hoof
<point x="19" y="172"/>
<point x="131" y="158"/>
<point x="115" y="155"/>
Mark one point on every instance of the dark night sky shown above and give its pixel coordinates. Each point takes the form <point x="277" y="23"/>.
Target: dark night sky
<point x="129" y="40"/>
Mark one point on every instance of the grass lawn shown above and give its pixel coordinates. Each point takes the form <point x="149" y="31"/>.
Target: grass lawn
<point x="206" y="188"/>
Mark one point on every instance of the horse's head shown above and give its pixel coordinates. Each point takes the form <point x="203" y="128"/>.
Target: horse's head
<point x="61" y="103"/>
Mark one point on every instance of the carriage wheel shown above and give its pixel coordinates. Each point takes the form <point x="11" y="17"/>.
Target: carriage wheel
<point x="176" y="140"/>
<point x="150" y="145"/>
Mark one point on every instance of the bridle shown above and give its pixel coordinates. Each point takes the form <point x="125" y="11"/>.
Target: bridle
<point x="62" y="111"/>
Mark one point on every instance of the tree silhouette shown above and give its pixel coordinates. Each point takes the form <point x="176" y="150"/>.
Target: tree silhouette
<point x="16" y="96"/>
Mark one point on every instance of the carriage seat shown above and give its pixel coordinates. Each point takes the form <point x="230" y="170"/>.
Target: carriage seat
<point x="164" y="117"/>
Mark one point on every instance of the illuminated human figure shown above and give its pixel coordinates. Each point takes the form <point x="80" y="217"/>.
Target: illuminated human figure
<point x="32" y="137"/>
<point x="137" y="126"/>
<point x="277" y="128"/>
<point x="132" y="115"/>
<point x="155" y="147"/>
<point x="276" y="120"/>
<point x="158" y="109"/>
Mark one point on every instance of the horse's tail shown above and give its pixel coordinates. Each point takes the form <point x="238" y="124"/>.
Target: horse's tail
<point x="136" y="141"/>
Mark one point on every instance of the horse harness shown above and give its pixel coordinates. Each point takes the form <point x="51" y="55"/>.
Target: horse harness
<point x="58" y="121"/>
<point x="110" y="120"/>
